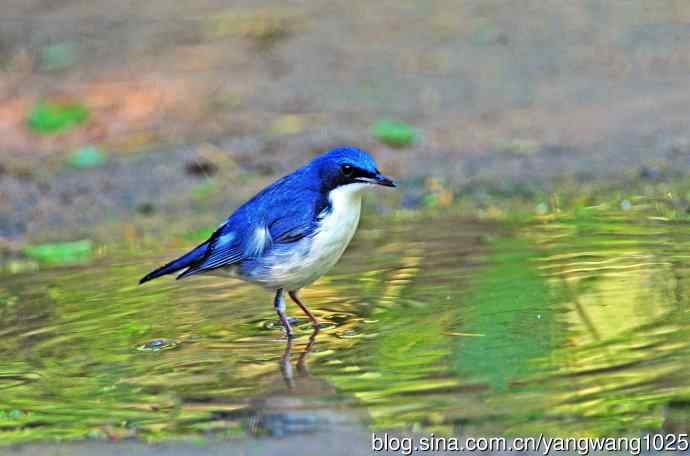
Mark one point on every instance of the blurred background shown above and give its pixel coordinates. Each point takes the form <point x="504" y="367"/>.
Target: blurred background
<point x="528" y="275"/>
<point x="113" y="111"/>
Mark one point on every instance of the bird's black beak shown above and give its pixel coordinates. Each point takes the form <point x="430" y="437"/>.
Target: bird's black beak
<point x="377" y="179"/>
<point x="380" y="179"/>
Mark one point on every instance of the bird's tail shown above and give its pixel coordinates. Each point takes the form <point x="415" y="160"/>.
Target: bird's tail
<point x="184" y="261"/>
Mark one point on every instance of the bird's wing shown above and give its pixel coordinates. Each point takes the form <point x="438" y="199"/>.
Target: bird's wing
<point x="279" y="217"/>
<point x="295" y="224"/>
<point x="222" y="249"/>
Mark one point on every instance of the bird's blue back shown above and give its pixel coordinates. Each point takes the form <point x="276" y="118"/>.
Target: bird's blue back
<point x="288" y="209"/>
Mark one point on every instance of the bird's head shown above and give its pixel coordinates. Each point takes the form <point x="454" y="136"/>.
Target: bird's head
<point x="349" y="166"/>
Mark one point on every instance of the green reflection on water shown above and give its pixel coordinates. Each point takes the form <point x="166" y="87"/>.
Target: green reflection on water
<point x="512" y="314"/>
<point x="570" y="325"/>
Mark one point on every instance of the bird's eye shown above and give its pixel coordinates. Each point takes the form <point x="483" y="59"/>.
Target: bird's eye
<point x="347" y="170"/>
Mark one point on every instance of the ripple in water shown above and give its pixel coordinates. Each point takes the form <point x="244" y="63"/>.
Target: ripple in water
<point x="577" y="325"/>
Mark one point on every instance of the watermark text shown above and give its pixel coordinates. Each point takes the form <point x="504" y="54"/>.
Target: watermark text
<point x="540" y="444"/>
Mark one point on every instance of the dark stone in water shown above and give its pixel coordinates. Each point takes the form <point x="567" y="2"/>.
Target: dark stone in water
<point x="285" y="424"/>
<point x="649" y="173"/>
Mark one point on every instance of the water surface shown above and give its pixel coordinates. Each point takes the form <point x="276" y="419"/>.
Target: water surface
<point x="569" y="325"/>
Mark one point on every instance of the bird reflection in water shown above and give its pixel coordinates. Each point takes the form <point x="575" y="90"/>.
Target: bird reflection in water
<point x="296" y="407"/>
<point x="285" y="361"/>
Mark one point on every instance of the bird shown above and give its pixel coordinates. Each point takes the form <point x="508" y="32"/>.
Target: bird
<point x="292" y="232"/>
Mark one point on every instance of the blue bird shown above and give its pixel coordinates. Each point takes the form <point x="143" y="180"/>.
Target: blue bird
<point x="292" y="232"/>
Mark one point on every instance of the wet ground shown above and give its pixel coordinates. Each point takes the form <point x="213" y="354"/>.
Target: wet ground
<point x="571" y="325"/>
<point x="211" y="100"/>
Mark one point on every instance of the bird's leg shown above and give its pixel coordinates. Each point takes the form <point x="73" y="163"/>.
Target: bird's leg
<point x="314" y="320"/>
<point x="279" y="304"/>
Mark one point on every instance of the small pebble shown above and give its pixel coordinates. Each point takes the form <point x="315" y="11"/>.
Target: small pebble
<point x="200" y="168"/>
<point x="159" y="345"/>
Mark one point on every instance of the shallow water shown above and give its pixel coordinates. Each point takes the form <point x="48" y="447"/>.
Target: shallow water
<point x="576" y="325"/>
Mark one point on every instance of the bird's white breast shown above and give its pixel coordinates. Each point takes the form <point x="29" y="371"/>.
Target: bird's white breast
<point x="338" y="226"/>
<point x="319" y="252"/>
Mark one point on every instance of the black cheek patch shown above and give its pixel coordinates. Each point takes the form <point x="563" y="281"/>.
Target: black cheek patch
<point x="360" y="173"/>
